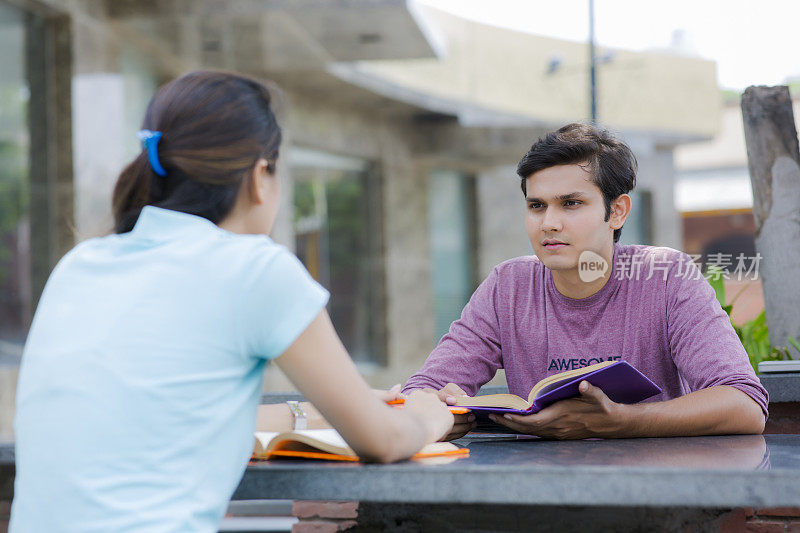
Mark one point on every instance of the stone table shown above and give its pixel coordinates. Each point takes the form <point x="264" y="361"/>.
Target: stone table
<point x="514" y="483"/>
<point x="517" y="483"/>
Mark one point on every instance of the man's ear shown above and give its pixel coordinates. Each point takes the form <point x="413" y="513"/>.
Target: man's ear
<point x="620" y="209"/>
<point x="257" y="181"/>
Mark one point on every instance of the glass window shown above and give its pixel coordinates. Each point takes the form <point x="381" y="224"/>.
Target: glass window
<point x="451" y="215"/>
<point x="16" y="299"/>
<point x="338" y="236"/>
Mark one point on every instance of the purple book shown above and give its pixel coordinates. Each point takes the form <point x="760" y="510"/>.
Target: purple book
<point x="619" y="381"/>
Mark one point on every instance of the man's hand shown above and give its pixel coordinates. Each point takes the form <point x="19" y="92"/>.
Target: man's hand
<point x="592" y="414"/>
<point x="462" y="424"/>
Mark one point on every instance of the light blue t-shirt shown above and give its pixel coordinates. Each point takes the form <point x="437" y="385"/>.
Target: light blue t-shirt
<point x="141" y="375"/>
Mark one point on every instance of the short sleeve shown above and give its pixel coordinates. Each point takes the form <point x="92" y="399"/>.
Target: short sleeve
<point x="704" y="346"/>
<point x="280" y="300"/>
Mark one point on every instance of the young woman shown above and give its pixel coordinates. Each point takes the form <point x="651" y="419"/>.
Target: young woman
<point x="141" y="376"/>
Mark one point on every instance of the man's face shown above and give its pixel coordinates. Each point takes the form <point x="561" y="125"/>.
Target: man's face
<point x="564" y="206"/>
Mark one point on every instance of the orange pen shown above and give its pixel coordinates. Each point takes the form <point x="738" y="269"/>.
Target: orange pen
<point x="453" y="409"/>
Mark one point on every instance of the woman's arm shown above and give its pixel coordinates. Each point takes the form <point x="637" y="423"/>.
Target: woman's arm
<point x="319" y="366"/>
<point x="277" y="417"/>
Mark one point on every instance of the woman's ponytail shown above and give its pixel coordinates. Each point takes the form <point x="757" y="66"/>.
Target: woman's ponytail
<point x="215" y="127"/>
<point x="131" y="193"/>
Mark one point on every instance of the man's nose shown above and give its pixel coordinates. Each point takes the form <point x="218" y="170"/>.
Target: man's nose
<point x="551" y="221"/>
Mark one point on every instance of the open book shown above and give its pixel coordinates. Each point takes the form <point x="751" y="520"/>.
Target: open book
<point x="327" y="444"/>
<point x="618" y="380"/>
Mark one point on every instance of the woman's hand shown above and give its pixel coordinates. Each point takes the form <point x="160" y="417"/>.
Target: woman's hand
<point x="433" y="412"/>
<point x="462" y="424"/>
<point x="318" y="364"/>
<point x="390" y="395"/>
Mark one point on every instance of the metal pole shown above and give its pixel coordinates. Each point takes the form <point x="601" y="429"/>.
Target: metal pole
<point x="592" y="65"/>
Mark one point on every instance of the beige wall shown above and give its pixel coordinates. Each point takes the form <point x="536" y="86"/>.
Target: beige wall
<point x="727" y="148"/>
<point x="506" y="71"/>
<point x="470" y="75"/>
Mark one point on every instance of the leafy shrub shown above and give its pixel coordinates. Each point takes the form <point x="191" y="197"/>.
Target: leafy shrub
<point x="754" y="334"/>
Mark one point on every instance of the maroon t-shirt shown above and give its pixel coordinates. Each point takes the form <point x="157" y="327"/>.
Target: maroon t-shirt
<point x="656" y="312"/>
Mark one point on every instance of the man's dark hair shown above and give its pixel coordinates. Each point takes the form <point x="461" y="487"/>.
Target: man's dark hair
<point x="611" y="162"/>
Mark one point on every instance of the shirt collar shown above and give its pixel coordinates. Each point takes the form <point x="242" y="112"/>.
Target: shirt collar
<point x="156" y="223"/>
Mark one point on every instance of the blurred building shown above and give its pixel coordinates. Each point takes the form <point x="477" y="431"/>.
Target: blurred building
<point x="714" y="197"/>
<point x="403" y="128"/>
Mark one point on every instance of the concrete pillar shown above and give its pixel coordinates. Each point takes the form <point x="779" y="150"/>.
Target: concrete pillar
<point x="49" y="69"/>
<point x="99" y="119"/>
<point x="409" y="302"/>
<point x="657" y="174"/>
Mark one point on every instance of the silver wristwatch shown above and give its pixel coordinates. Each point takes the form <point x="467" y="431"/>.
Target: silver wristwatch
<point x="298" y="415"/>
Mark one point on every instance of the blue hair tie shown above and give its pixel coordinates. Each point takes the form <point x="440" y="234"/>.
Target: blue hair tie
<point x="150" y="143"/>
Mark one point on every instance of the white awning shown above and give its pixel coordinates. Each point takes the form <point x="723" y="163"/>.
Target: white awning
<point x="715" y="189"/>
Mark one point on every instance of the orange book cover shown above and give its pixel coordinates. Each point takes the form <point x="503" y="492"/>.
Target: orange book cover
<point x="327" y="444"/>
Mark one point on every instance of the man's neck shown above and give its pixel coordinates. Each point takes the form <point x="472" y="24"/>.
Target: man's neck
<point x="569" y="283"/>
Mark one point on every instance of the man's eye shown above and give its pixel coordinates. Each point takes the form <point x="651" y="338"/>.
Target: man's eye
<point x="571" y="203"/>
<point x="534" y="206"/>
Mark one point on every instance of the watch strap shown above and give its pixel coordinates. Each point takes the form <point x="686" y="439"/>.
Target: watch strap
<point x="299" y="419"/>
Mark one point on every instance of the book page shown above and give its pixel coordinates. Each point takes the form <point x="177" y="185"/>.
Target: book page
<point x="328" y="436"/>
<point x="437" y="447"/>
<point x="551" y="382"/>
<point x="327" y="440"/>
<point x="263" y="438"/>
<point x="510" y="401"/>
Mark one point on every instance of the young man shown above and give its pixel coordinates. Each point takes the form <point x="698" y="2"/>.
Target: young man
<point x="539" y="315"/>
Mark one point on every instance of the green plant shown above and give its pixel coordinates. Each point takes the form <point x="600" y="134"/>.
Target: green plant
<point x="754" y="335"/>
